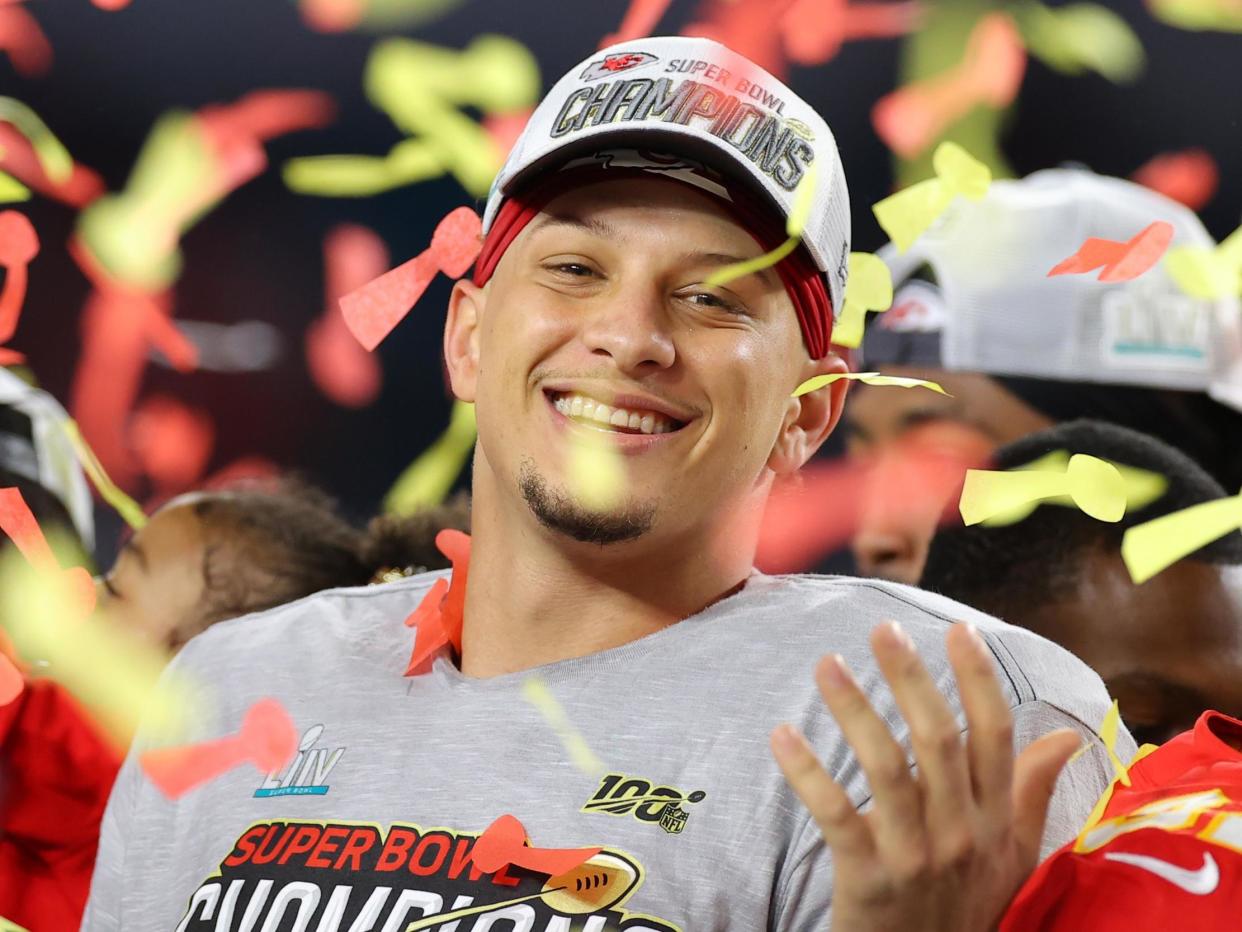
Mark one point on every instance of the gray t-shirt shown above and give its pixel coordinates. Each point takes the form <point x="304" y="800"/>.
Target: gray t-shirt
<point x="370" y="828"/>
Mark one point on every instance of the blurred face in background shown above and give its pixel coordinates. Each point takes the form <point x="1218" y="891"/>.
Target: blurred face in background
<point x="1167" y="650"/>
<point x="889" y="429"/>
<point x="156" y="587"/>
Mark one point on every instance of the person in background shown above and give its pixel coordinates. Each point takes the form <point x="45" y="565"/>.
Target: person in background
<point x="208" y="556"/>
<point x="975" y="310"/>
<point x="1167" y="649"/>
<point x="200" y="559"/>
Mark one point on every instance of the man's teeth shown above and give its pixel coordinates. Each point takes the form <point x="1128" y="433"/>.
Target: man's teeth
<point x="582" y="408"/>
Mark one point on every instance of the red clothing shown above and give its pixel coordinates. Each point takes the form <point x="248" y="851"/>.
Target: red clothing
<point x="1166" y="855"/>
<point x="56" y="771"/>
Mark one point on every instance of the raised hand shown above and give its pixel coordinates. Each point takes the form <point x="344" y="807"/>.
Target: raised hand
<point x="944" y="849"/>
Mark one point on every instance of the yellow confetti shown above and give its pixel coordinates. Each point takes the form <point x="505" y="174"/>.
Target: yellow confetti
<point x="795" y="224"/>
<point x="1208" y="273"/>
<point x="906" y="215"/>
<point x="1197" y="15"/>
<point x="408" y="162"/>
<point x="596" y="473"/>
<point x="134" y="234"/>
<point x="11" y="190"/>
<point x="536" y="692"/>
<point x="103" y="665"/>
<point x="423" y="87"/>
<point x="1094" y="485"/>
<point x="53" y="156"/>
<point x="427" y="480"/>
<point x="1142" y="488"/>
<point x="869" y="288"/>
<point x="1107" y="733"/>
<point x="125" y="506"/>
<point x="1081" y="36"/>
<point x="867" y="378"/>
<point x="1156" y="545"/>
<point x="8" y="925"/>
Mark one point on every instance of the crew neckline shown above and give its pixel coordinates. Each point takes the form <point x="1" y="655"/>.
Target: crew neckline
<point x="446" y="674"/>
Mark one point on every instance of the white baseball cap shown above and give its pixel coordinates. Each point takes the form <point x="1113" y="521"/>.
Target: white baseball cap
<point x="1002" y="315"/>
<point x="35" y="445"/>
<point x="695" y="98"/>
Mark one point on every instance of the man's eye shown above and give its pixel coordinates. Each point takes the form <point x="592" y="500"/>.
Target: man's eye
<point x="573" y="269"/>
<point x="714" y="301"/>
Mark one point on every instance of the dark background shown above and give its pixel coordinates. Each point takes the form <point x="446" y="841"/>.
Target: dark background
<point x="258" y="255"/>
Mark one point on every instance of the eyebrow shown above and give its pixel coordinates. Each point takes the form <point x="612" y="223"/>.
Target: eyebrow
<point x="592" y="225"/>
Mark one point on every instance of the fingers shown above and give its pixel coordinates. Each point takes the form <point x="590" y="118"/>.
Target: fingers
<point x="897" y="816"/>
<point x="936" y="738"/>
<point x="843" y="828"/>
<point x="1035" y="777"/>
<point x="989" y="722"/>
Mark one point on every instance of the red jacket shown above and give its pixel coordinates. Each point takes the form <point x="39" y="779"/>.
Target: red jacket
<point x="1166" y="854"/>
<point x="56" y="771"/>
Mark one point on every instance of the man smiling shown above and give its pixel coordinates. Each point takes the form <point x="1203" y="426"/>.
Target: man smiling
<point x="593" y="314"/>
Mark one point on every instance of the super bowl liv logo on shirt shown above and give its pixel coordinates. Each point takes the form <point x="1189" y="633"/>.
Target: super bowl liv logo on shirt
<point x="307" y="774"/>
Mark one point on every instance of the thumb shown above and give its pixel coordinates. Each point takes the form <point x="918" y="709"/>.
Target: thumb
<point x="1035" y="777"/>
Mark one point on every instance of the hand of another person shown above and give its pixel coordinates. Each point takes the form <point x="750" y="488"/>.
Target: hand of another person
<point x="947" y="848"/>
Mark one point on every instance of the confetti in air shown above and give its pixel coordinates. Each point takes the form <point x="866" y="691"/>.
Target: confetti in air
<point x="1095" y="486"/>
<point x="868" y="378"/>
<point x="267" y="739"/>
<point x="906" y="215"/>
<point x="1208" y="273"/>
<point x="1155" y="545"/>
<point x="869" y="288"/>
<point x="1119" y="262"/>
<point x="373" y="310"/>
<point x="799" y="213"/>
<point x="912" y="118"/>
<point x="537" y="693"/>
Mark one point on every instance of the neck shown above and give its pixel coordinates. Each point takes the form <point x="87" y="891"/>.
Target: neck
<point x="536" y="597"/>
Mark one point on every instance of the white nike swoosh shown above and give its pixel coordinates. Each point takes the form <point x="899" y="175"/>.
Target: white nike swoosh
<point x="1200" y="882"/>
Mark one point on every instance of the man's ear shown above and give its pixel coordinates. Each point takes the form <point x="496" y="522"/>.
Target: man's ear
<point x="461" y="337"/>
<point x="809" y="418"/>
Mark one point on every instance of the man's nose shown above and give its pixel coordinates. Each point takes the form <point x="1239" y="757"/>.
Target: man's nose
<point x="633" y="327"/>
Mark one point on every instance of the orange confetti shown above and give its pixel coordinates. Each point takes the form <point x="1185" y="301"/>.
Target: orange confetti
<point x="640" y="19"/>
<point x="172" y="442"/>
<point x="19" y="159"/>
<point x="1119" y="262"/>
<point x="503" y="843"/>
<point x="332" y="15"/>
<point x="372" y="311"/>
<point x="439" y="615"/>
<point x="1189" y="177"/>
<point x="815" y="30"/>
<point x="11" y="681"/>
<point x="19" y="525"/>
<point x="353" y="255"/>
<point x="18" y="246"/>
<point x="913" y="117"/>
<point x="24" y="42"/>
<point x="111" y="5"/>
<point x="745" y="27"/>
<point x="267" y="739"/>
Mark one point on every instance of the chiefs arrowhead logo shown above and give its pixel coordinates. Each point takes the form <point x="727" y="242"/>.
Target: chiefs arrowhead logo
<point x="615" y="63"/>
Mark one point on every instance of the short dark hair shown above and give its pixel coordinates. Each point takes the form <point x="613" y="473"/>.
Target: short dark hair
<point x="1009" y="570"/>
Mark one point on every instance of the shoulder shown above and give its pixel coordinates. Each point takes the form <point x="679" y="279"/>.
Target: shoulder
<point x="362" y="622"/>
<point x="837" y="614"/>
